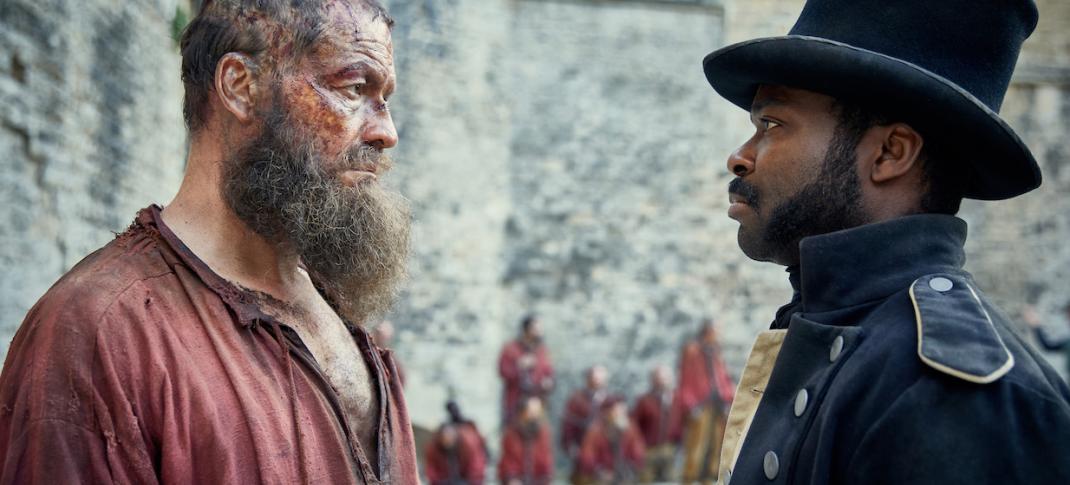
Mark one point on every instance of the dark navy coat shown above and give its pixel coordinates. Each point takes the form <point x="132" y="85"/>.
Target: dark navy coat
<point x="910" y="374"/>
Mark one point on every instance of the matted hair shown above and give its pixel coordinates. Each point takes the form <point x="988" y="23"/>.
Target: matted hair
<point x="225" y="26"/>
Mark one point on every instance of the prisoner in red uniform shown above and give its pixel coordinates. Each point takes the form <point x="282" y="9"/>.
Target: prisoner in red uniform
<point x="525" y="368"/>
<point x="613" y="451"/>
<point x="456" y="455"/>
<point x="652" y="414"/>
<point x="527" y="454"/>
<point x="582" y="409"/>
<point x="703" y="398"/>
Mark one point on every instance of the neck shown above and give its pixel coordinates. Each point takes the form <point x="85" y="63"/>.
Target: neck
<point x="201" y="218"/>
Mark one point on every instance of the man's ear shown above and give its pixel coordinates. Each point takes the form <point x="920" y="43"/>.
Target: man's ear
<point x="236" y="84"/>
<point x="900" y="147"/>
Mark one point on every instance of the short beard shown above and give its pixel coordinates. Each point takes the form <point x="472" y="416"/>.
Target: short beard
<point x="353" y="241"/>
<point x="832" y="202"/>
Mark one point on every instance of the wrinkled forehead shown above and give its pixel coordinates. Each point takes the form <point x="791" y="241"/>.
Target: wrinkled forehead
<point x="352" y="28"/>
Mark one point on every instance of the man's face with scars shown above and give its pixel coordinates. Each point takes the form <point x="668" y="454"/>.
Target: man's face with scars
<point x="336" y="95"/>
<point x="310" y="181"/>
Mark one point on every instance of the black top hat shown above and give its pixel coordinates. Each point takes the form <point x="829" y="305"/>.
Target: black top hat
<point x="941" y="65"/>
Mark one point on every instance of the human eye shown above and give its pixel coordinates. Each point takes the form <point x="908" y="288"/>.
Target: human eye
<point x="767" y="124"/>
<point x="354" y="90"/>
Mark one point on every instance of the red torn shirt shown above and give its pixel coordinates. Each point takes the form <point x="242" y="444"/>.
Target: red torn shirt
<point x="141" y="365"/>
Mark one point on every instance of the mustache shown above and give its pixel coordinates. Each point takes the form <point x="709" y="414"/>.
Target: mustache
<point x="364" y="157"/>
<point x="739" y="187"/>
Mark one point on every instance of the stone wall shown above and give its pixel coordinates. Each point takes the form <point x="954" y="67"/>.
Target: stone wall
<point x="565" y="157"/>
<point x="90" y="131"/>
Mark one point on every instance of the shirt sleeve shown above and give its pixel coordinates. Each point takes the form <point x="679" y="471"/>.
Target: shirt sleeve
<point x="62" y="415"/>
<point x="948" y="433"/>
<point x="507" y="367"/>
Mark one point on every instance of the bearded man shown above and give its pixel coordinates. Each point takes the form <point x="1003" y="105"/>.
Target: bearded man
<point x="873" y="120"/>
<point x="219" y="340"/>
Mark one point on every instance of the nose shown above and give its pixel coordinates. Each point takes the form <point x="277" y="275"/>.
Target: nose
<point x="741" y="161"/>
<point x="380" y="131"/>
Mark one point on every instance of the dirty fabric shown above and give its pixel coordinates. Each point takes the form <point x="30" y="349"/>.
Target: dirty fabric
<point x="141" y="365"/>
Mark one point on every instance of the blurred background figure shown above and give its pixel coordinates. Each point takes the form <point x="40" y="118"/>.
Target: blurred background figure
<point x="613" y="450"/>
<point x="652" y="414"/>
<point x="456" y="453"/>
<point x="527" y="455"/>
<point x="1049" y="342"/>
<point x="525" y="368"/>
<point x="383" y="335"/>
<point x="703" y="398"/>
<point x="581" y="410"/>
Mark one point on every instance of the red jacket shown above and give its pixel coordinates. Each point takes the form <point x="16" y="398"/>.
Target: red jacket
<point x="536" y="380"/>
<point x="467" y="461"/>
<point x="526" y="458"/>
<point x="651" y="415"/>
<point x="621" y="458"/>
<point x="580" y="411"/>
<point x="703" y="378"/>
<point x="699" y="376"/>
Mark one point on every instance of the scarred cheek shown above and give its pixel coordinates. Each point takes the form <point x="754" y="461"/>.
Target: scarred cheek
<point x="320" y="116"/>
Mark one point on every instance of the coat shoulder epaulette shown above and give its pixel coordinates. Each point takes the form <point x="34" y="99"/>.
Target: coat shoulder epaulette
<point x="956" y="335"/>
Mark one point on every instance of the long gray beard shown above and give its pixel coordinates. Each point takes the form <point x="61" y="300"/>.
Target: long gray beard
<point x="354" y="241"/>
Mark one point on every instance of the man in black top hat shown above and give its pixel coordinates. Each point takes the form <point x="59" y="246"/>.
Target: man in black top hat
<point x="874" y="118"/>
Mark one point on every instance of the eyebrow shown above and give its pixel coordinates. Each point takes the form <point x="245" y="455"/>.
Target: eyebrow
<point x="359" y="67"/>
<point x="765" y="103"/>
<point x="371" y="71"/>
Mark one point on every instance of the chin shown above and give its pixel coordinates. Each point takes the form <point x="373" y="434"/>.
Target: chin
<point x="752" y="246"/>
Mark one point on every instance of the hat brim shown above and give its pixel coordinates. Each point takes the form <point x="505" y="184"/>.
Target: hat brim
<point x="996" y="163"/>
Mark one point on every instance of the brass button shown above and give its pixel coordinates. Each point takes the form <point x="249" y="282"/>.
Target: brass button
<point x="837" y="347"/>
<point x="771" y="465"/>
<point x="800" y="402"/>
